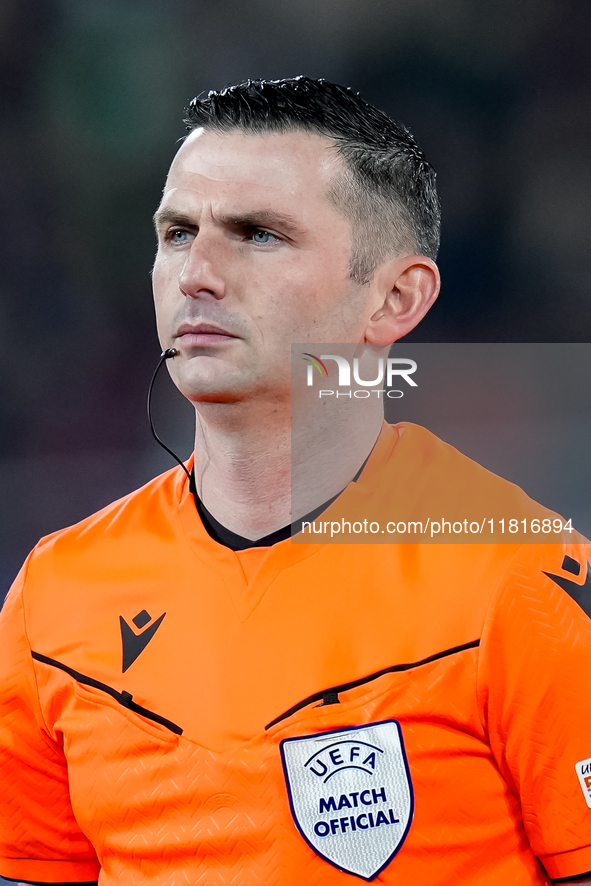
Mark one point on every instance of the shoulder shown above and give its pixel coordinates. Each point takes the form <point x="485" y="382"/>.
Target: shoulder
<point x="444" y="465"/>
<point x="552" y="579"/>
<point x="472" y="516"/>
<point x="439" y="475"/>
<point x="127" y="527"/>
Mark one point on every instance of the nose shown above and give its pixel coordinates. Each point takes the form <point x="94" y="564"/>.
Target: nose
<point x="199" y="276"/>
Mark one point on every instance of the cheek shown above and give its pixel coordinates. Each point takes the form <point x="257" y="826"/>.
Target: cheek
<point x="160" y="276"/>
<point x="308" y="287"/>
<point x="163" y="289"/>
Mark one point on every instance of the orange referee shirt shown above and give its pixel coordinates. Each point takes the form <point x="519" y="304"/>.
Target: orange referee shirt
<point x="173" y="712"/>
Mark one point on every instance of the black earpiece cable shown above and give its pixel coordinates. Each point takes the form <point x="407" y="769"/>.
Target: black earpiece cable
<point x="164" y="356"/>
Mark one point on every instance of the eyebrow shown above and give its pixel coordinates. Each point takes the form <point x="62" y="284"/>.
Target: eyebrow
<point x="172" y="216"/>
<point x="263" y="218"/>
<point x="258" y="218"/>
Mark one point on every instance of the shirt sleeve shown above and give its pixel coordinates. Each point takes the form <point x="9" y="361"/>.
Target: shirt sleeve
<point x="534" y="675"/>
<point x="40" y="840"/>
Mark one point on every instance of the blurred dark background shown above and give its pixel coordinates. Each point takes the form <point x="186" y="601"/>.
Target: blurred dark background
<point x="92" y="94"/>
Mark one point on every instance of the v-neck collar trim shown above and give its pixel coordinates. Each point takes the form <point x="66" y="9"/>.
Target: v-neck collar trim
<point x="246" y="595"/>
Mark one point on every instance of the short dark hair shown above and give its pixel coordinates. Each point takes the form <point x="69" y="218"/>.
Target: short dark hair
<point x="388" y="189"/>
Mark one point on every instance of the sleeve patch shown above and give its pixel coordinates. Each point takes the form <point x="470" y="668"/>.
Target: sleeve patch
<point x="583" y="768"/>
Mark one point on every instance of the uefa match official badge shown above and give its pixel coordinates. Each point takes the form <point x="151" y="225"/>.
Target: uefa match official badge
<point x="351" y="794"/>
<point x="583" y="768"/>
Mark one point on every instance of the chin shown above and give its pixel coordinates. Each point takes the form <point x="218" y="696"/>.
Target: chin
<point x="214" y="387"/>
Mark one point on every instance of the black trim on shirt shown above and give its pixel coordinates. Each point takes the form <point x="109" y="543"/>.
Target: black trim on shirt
<point x="330" y="696"/>
<point x="51" y="882"/>
<point x="124" y="698"/>
<point x="571" y="878"/>
<point x="231" y="539"/>
<point x="237" y="542"/>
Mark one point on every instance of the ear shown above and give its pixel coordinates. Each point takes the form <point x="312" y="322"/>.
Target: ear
<point x="403" y="290"/>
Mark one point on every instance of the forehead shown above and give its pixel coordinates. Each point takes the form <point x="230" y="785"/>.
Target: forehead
<point x="294" y="167"/>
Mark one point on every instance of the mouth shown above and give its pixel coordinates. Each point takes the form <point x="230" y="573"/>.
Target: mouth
<point x="196" y="335"/>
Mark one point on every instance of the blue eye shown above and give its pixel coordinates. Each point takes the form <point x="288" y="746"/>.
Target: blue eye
<point x="178" y="238"/>
<point x="263" y="237"/>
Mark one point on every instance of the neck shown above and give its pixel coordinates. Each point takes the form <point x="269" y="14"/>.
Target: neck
<point x="254" y="475"/>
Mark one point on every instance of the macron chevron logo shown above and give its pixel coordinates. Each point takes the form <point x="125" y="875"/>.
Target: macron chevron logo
<point x="581" y="593"/>
<point x="134" y="644"/>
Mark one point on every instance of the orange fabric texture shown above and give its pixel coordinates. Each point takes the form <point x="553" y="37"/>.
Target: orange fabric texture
<point x="140" y="662"/>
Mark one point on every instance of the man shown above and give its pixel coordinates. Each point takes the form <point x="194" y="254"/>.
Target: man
<point x="188" y="697"/>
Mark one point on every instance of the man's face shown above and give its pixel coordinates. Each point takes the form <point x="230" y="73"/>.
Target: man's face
<point x="252" y="256"/>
